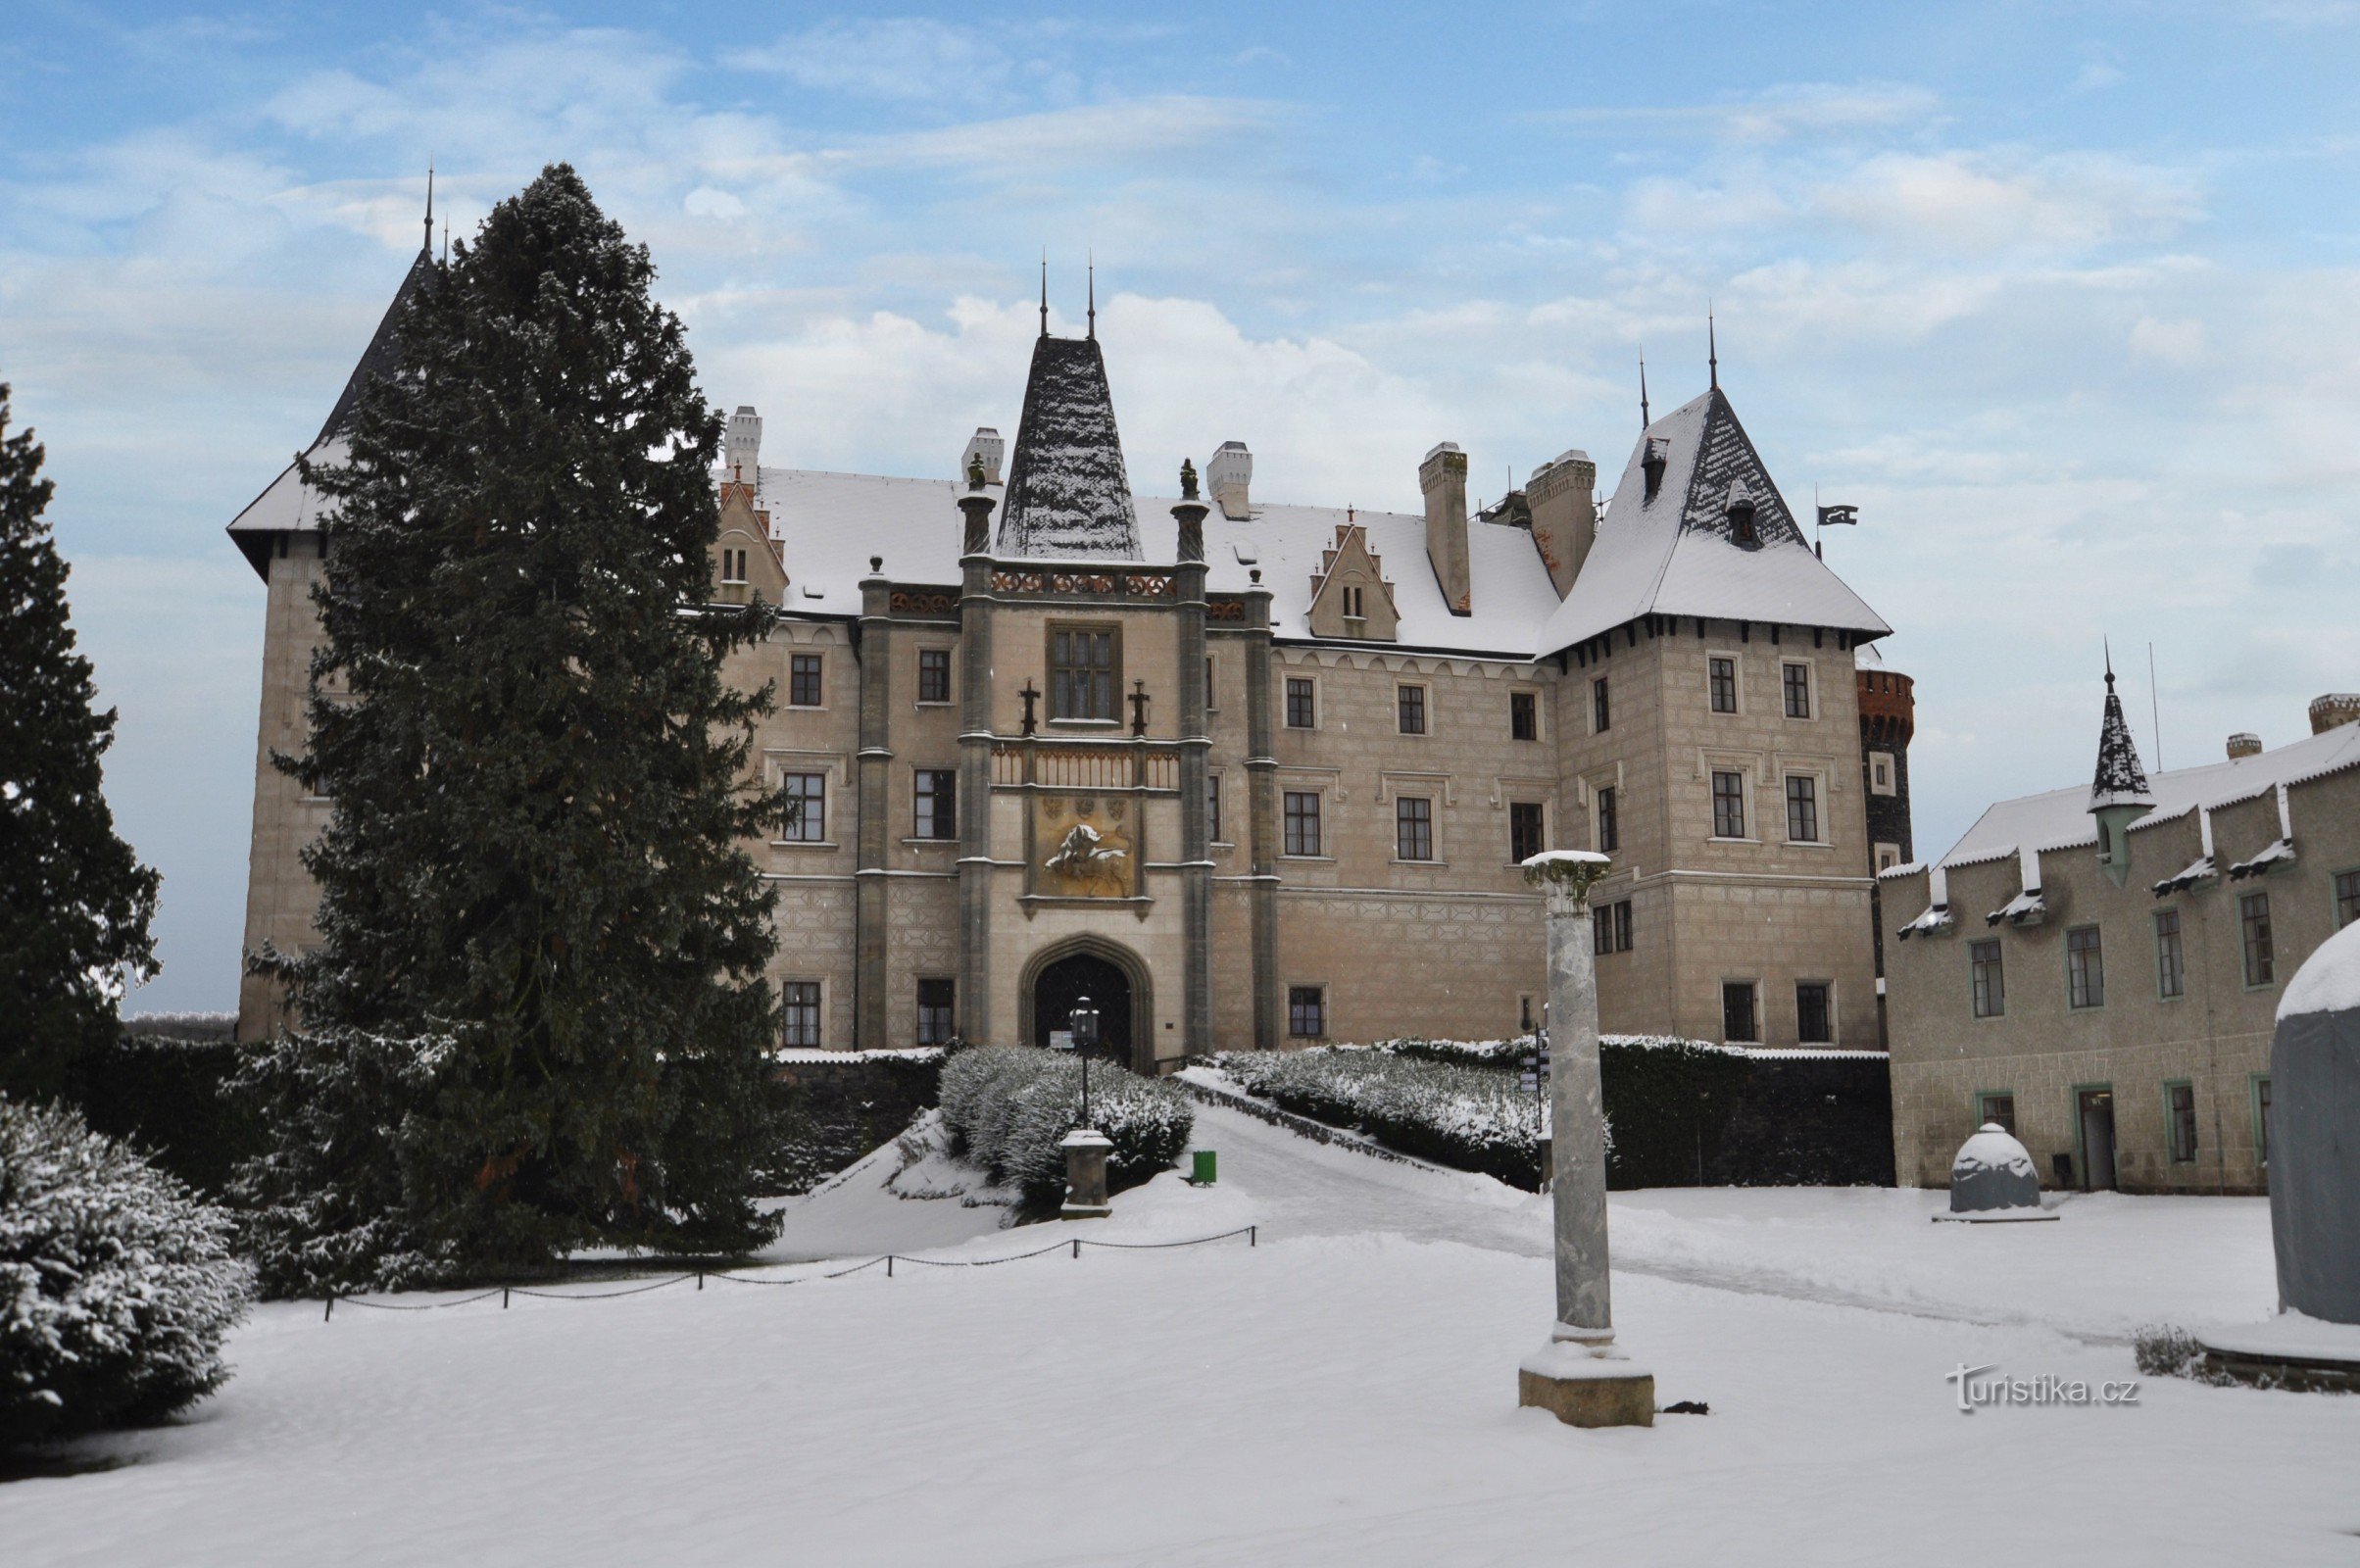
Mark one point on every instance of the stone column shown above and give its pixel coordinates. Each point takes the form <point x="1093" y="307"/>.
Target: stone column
<point x="1086" y="1149"/>
<point x="976" y="604"/>
<point x="1196" y="830"/>
<point x="875" y="784"/>
<point x="1579" y="1376"/>
<point x="1262" y="801"/>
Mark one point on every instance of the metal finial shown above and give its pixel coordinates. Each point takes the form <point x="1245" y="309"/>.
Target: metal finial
<point x="1093" y="264"/>
<point x="2107" y="643"/>
<point x="1644" y="419"/>
<point x="1713" y="347"/>
<point x="1045" y="291"/>
<point x="429" y="246"/>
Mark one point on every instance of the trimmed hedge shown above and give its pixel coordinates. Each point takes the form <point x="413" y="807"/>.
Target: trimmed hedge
<point x="1010" y="1108"/>
<point x="164" y="1093"/>
<point x="831" y="1112"/>
<point x="1474" y="1119"/>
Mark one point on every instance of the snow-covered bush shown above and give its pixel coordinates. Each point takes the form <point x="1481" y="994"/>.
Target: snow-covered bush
<point x="116" y="1284"/>
<point x="1476" y="1119"/>
<point x="1010" y="1107"/>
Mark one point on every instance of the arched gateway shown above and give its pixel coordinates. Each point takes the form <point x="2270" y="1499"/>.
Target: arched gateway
<point x="1115" y="981"/>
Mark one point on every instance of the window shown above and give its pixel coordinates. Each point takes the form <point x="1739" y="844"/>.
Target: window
<point x="2347" y="899"/>
<point x="1881" y="775"/>
<point x="1213" y="807"/>
<point x="1622" y="925"/>
<point x="1081" y="674"/>
<point x="1410" y="705"/>
<point x="1736" y="1011"/>
<point x="733" y="566"/>
<point x="1814" y="1012"/>
<point x="1610" y="928"/>
<point x="1723" y="678"/>
<point x="1524" y="833"/>
<point x="2261" y="1118"/>
<point x="1609" y="821"/>
<point x="2253" y="918"/>
<point x="808" y="792"/>
<point x="1988" y="978"/>
<point x="2000" y="1109"/>
<point x="2180" y="1121"/>
<point x="803" y="680"/>
<point x="1889" y="856"/>
<point x="934" y="674"/>
<point x="1524" y="715"/>
<point x="1412" y="827"/>
<point x="2085" y="968"/>
<point x="2171" y="968"/>
<point x="1211" y="700"/>
<point x="935" y="1006"/>
<point x="1356" y="603"/>
<point x="1728" y="805"/>
<point x="800" y="1004"/>
<point x="1302" y="701"/>
<point x="937" y="814"/>
<point x="1602" y="706"/>
<point x="1302" y="822"/>
<point x="1796" y="679"/>
<point x="1802" y="811"/>
<point x="1306" y="1012"/>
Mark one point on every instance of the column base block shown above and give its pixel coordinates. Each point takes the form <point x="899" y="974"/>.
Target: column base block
<point x="1587" y="1386"/>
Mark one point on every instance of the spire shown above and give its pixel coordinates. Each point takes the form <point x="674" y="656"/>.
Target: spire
<point x="1713" y="347"/>
<point x="1044" y="292"/>
<point x="1093" y="296"/>
<point x="1644" y="419"/>
<point x="2120" y="780"/>
<point x="1069" y="493"/>
<point x="427" y="248"/>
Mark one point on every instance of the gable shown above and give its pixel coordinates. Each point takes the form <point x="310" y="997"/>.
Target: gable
<point x="1351" y="578"/>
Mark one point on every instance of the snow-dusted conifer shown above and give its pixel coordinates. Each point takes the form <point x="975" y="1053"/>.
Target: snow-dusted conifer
<point x="537" y="1013"/>
<point x="75" y="901"/>
<point x="116" y="1284"/>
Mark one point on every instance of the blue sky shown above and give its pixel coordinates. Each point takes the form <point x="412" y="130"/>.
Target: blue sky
<point x="2065" y="297"/>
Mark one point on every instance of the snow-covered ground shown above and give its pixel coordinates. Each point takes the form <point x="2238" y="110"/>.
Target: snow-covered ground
<point x="1343" y="1393"/>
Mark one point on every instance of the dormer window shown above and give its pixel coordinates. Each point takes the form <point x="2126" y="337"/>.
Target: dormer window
<point x="1660" y="451"/>
<point x="1740" y="515"/>
<point x="733" y="566"/>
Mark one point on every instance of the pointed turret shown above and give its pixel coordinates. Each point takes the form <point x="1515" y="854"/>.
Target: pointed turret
<point x="2119" y="795"/>
<point x="1069" y="492"/>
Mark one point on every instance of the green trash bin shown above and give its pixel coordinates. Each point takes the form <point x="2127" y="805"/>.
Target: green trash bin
<point x="1203" y="1175"/>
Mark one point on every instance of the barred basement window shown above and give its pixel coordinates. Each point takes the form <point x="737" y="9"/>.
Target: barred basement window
<point x="1724" y="682"/>
<point x="1796" y="678"/>
<point x="1301" y="822"/>
<point x="2253" y="918"/>
<point x="1814" y="1017"/>
<point x="934" y="674"/>
<point x="1524" y="832"/>
<point x="1409" y="707"/>
<point x="800" y="1006"/>
<point x="808" y="792"/>
<point x="936" y="1004"/>
<point x="1082" y="676"/>
<point x="1524" y="715"/>
<point x="1728" y="805"/>
<point x="1802" y="811"/>
<point x="937" y="803"/>
<point x="1609" y="821"/>
<point x="2085" y="968"/>
<point x="2171" y="968"/>
<point x="1412" y="827"/>
<point x="1303" y="698"/>
<point x="1988" y="980"/>
<point x="803" y="680"/>
<point x="1306" y="1012"/>
<point x="2180" y="1113"/>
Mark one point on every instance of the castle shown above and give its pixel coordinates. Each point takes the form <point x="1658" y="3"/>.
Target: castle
<point x="1251" y="774"/>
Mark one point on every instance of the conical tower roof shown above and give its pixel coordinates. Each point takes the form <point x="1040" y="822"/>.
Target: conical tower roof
<point x="378" y="358"/>
<point x="2119" y="780"/>
<point x="1069" y="492"/>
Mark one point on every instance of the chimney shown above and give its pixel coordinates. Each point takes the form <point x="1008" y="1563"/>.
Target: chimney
<point x="1561" y="494"/>
<point x="986" y="444"/>
<point x="742" y="445"/>
<point x="2333" y="710"/>
<point x="2245" y="742"/>
<point x="1229" y="473"/>
<point x="1443" y="479"/>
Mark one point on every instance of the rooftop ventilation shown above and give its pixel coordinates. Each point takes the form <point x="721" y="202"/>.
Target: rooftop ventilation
<point x="2245" y="742"/>
<point x="2334" y="710"/>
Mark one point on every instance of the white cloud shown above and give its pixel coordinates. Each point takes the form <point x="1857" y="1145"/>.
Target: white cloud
<point x="2173" y="342"/>
<point x="903" y="59"/>
<point x="1988" y="202"/>
<point x="1775" y="114"/>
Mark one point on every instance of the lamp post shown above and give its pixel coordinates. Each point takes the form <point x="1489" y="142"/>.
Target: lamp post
<point x="1579" y="1376"/>
<point x="1086" y="1147"/>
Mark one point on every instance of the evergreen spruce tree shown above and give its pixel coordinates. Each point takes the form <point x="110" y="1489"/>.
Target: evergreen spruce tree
<point x="75" y="901"/>
<point x="536" y="1019"/>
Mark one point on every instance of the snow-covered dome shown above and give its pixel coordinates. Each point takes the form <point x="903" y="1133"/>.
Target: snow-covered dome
<point x="2314" y="1159"/>
<point x="1992" y="1170"/>
<point x="2329" y="980"/>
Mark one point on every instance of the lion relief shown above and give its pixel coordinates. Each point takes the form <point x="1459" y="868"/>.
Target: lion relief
<point x="1095" y="869"/>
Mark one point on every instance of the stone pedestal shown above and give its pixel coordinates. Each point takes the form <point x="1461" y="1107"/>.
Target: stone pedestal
<point x="1086" y="1149"/>
<point x="1578" y="1376"/>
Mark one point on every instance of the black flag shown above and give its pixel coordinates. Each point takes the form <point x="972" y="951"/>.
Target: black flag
<point x="1831" y="517"/>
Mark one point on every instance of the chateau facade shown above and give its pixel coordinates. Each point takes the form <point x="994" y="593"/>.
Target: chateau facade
<point x="2098" y="970"/>
<point x="1253" y="774"/>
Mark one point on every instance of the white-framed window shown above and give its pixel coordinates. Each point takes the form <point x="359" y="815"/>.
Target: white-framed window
<point x="798" y="1010"/>
<point x="1795" y="696"/>
<point x="809" y="791"/>
<point x="1412" y="827"/>
<point x="1889" y="856"/>
<point x="1883" y="777"/>
<point x="1802" y="810"/>
<point x="1721" y="690"/>
<point x="1300" y="812"/>
<point x="1728" y="802"/>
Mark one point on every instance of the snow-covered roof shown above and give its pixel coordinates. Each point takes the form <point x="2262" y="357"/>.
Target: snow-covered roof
<point x="1067" y="492"/>
<point x="1677" y="550"/>
<point x="2060" y="819"/>
<point x="2119" y="779"/>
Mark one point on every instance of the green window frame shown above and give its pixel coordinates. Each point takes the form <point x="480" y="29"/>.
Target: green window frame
<point x="1986" y="979"/>
<point x="2256" y="940"/>
<point x="2180" y="1120"/>
<point x="2347" y="886"/>
<point x="2171" y="956"/>
<point x="2085" y="969"/>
